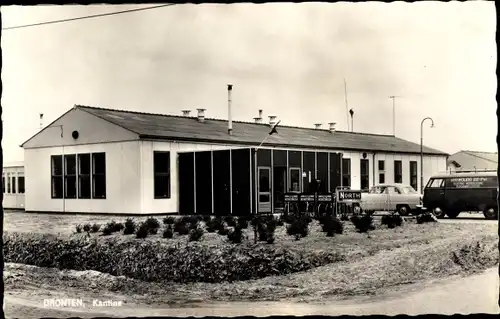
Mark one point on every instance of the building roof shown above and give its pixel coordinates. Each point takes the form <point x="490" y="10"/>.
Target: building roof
<point x="470" y="160"/>
<point x="188" y="128"/>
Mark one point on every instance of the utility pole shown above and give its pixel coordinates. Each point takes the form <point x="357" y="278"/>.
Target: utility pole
<point x="393" y="97"/>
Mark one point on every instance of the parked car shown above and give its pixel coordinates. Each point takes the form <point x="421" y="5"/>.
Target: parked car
<point x="396" y="197"/>
<point x="451" y="194"/>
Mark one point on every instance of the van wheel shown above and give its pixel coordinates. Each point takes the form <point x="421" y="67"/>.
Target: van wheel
<point x="490" y="213"/>
<point x="438" y="212"/>
<point x="452" y="214"/>
<point x="403" y="210"/>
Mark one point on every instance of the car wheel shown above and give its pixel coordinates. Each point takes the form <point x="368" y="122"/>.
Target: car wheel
<point x="490" y="213"/>
<point x="452" y="214"/>
<point x="403" y="210"/>
<point x="438" y="212"/>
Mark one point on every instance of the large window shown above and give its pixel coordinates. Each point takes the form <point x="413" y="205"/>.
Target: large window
<point x="20" y="184"/>
<point x="84" y="184"/>
<point x="413" y="174"/>
<point x="99" y="175"/>
<point x="161" y="167"/>
<point x="70" y="176"/>
<point x="57" y="176"/>
<point x="346" y="172"/>
<point x="398" y="172"/>
<point x="13" y="176"/>
<point x="365" y="174"/>
<point x="3" y="183"/>
<point x="8" y="183"/>
<point x="381" y="172"/>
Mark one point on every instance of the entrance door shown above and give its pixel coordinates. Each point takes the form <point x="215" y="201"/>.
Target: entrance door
<point x="279" y="187"/>
<point x="264" y="187"/>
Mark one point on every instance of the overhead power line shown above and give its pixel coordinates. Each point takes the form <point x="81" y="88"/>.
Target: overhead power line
<point x="87" y="17"/>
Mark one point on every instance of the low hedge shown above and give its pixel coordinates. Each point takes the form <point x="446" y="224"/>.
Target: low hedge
<point x="155" y="261"/>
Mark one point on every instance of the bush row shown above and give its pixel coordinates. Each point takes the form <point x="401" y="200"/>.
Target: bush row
<point x="158" y="262"/>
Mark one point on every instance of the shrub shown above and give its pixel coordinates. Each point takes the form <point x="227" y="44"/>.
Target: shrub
<point x="230" y="221"/>
<point x="190" y="219"/>
<point x="363" y="223"/>
<point x="152" y="223"/>
<point x="392" y="220"/>
<point x="153" y="231"/>
<point x="270" y="238"/>
<point x="206" y="219"/>
<point x="211" y="226"/>
<point x="169" y="220"/>
<point x="195" y="234"/>
<point x="426" y="217"/>
<point x="192" y="226"/>
<point x="223" y="231"/>
<point x="235" y="236"/>
<point x="87" y="227"/>
<point x="129" y="227"/>
<point x="108" y="230"/>
<point x="142" y="230"/>
<point x="168" y="232"/>
<point x="331" y="226"/>
<point x="158" y="262"/>
<point x="242" y="223"/>
<point x="298" y="228"/>
<point x="95" y="228"/>
<point x="181" y="229"/>
<point x="79" y="228"/>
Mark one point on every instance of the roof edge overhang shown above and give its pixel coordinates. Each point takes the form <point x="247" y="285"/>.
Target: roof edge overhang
<point x="250" y="144"/>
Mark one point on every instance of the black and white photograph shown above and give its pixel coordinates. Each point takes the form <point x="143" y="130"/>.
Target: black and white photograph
<point x="246" y="159"/>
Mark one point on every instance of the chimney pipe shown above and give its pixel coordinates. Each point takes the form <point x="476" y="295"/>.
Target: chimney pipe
<point x="318" y="125"/>
<point x="229" y="116"/>
<point x="186" y="112"/>
<point x="332" y="127"/>
<point x="260" y="113"/>
<point x="272" y="119"/>
<point x="41" y="121"/>
<point x="201" y="115"/>
<point x="351" y="111"/>
<point x="257" y="119"/>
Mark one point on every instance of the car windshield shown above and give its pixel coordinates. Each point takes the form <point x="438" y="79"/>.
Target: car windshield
<point x="377" y="190"/>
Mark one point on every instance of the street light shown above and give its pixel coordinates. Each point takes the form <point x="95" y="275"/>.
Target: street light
<point x="422" y="151"/>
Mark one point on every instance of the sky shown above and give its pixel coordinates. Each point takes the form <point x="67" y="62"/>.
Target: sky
<point x="290" y="60"/>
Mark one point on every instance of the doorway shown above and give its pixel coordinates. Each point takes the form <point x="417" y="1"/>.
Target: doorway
<point x="279" y="188"/>
<point x="264" y="189"/>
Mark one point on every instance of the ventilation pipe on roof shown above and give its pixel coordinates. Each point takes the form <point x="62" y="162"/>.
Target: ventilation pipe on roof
<point x="332" y="127"/>
<point x="186" y="112"/>
<point x="272" y="120"/>
<point x="318" y="126"/>
<point x="259" y="118"/>
<point x="229" y="116"/>
<point x="41" y="121"/>
<point x="201" y="115"/>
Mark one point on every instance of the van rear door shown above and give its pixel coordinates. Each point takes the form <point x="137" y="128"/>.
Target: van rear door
<point x="434" y="194"/>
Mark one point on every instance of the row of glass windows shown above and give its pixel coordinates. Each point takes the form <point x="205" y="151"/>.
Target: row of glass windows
<point x="12" y="183"/>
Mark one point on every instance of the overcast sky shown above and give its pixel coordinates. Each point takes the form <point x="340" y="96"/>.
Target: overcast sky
<point x="288" y="59"/>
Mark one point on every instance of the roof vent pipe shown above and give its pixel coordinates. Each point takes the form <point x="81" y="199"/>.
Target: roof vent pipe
<point x="272" y="120"/>
<point x="332" y="127"/>
<point x="41" y="121"/>
<point x="260" y="113"/>
<point x="318" y="125"/>
<point x="201" y="115"/>
<point x="229" y="116"/>
<point x="257" y="119"/>
<point x="186" y="112"/>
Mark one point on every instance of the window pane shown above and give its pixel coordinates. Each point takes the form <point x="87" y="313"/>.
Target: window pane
<point x="84" y="186"/>
<point x="3" y="184"/>
<point x="70" y="161"/>
<point x="364" y="182"/>
<point x="381" y="165"/>
<point x="263" y="180"/>
<point x="8" y="183"/>
<point x="295" y="180"/>
<point x="381" y="178"/>
<point x="57" y="165"/>
<point x="83" y="163"/>
<point x="99" y="186"/>
<point x="364" y="167"/>
<point x="13" y="184"/>
<point x="21" y="184"/>
<point x="57" y="187"/>
<point x="162" y="186"/>
<point x="346" y="180"/>
<point x="70" y="186"/>
<point x="346" y="165"/>
<point x="99" y="163"/>
<point x="161" y="162"/>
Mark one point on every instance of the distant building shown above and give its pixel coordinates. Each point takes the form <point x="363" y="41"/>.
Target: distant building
<point x="120" y="161"/>
<point x="13" y="185"/>
<point x="470" y="161"/>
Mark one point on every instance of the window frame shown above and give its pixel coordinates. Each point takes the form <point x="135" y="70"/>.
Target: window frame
<point x="73" y="177"/>
<point x="366" y="175"/>
<point x="396" y="173"/>
<point x="162" y="174"/>
<point x="54" y="176"/>
<point x="19" y="177"/>
<point x="414" y="174"/>
<point x="96" y="175"/>
<point x="81" y="176"/>
<point x="346" y="174"/>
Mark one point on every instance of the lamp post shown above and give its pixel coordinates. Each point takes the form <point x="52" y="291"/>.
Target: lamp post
<point x="422" y="151"/>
